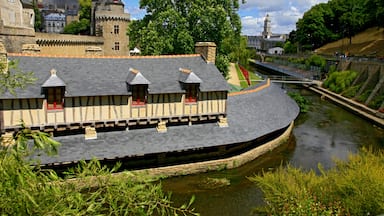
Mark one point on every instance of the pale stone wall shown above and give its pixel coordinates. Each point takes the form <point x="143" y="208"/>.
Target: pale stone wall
<point x="227" y="163"/>
<point x="207" y="50"/>
<point x="68" y="45"/>
<point x="108" y="17"/>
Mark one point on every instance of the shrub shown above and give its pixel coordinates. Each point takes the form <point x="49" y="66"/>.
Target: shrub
<point x="316" y="60"/>
<point x="350" y="188"/>
<point x="340" y="81"/>
<point x="301" y="101"/>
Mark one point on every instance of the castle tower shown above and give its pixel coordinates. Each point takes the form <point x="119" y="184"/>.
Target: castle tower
<point x="267" y="33"/>
<point x="110" y="22"/>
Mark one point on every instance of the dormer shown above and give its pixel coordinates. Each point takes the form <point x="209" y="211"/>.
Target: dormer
<point x="54" y="90"/>
<point x="190" y="83"/>
<point x="137" y="84"/>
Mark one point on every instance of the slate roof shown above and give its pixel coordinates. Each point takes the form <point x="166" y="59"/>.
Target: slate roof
<point x="53" y="80"/>
<point x="187" y="76"/>
<point x="136" y="78"/>
<point x="108" y="76"/>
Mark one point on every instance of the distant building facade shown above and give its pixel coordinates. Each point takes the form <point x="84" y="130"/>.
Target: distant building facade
<point x="108" y="28"/>
<point x="54" y="22"/>
<point x="267" y="39"/>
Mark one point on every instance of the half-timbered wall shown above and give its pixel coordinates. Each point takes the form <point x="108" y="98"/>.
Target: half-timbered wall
<point x="108" y="109"/>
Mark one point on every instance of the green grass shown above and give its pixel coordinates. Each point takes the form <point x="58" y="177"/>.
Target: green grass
<point x="243" y="81"/>
<point x="255" y="79"/>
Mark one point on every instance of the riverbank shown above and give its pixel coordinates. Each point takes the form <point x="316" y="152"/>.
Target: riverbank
<point x="361" y="110"/>
<point x="353" y="106"/>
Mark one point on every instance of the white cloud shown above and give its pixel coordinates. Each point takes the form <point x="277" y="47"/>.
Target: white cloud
<point x="284" y="14"/>
<point x="251" y="25"/>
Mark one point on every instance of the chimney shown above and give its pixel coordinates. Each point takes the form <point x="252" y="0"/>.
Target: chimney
<point x="207" y="50"/>
<point x="3" y="58"/>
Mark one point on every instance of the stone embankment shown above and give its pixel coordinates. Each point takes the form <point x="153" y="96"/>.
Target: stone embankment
<point x="372" y="115"/>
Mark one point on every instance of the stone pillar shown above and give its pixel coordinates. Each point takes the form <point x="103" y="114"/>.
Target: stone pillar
<point x="90" y="133"/>
<point x="207" y="50"/>
<point x="222" y="122"/>
<point x="7" y="140"/>
<point x="162" y="127"/>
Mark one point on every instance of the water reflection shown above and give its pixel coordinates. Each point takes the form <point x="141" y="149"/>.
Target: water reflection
<point x="324" y="133"/>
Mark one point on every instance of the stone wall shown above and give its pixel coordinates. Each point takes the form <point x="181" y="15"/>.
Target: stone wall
<point x="68" y="45"/>
<point x="14" y="37"/>
<point x="227" y="163"/>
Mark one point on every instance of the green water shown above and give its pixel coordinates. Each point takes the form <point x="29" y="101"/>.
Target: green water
<point x="324" y="133"/>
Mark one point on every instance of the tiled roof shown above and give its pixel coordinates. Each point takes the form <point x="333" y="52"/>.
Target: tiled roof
<point x="98" y="76"/>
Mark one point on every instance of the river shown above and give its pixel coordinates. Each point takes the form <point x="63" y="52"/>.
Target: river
<point x="327" y="132"/>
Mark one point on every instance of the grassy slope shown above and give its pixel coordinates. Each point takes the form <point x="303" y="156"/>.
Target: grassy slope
<point x="368" y="43"/>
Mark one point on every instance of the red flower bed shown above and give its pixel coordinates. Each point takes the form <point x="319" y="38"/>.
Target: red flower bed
<point x="245" y="73"/>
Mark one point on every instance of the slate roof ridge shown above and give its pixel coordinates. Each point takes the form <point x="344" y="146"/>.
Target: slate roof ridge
<point x="102" y="57"/>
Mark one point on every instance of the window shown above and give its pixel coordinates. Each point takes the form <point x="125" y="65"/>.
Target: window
<point x="116" y="29"/>
<point x="190" y="94"/>
<point x="55" y="98"/>
<point x="117" y="46"/>
<point x="139" y="95"/>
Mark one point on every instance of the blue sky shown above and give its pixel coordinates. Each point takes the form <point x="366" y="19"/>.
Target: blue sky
<point x="284" y="14"/>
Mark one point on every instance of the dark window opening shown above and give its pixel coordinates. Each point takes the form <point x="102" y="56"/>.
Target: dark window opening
<point x="190" y="94"/>
<point x="55" y="99"/>
<point x="139" y="95"/>
<point x="116" y="29"/>
<point x="117" y="46"/>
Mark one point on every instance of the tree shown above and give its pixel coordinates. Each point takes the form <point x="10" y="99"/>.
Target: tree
<point x="38" y="17"/>
<point x="312" y="30"/>
<point x="353" y="19"/>
<point x="10" y="81"/>
<point x="84" y="24"/>
<point x="173" y="27"/>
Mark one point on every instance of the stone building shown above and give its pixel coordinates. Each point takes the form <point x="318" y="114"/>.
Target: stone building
<point x="16" y="24"/>
<point x="54" y="22"/>
<point x="110" y="22"/>
<point x="267" y="40"/>
<point x="109" y="26"/>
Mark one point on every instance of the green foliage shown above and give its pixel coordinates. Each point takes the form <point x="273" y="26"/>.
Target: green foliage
<point x="173" y="27"/>
<point x="28" y="190"/>
<point x="222" y="63"/>
<point x="327" y="22"/>
<point x="38" y="17"/>
<point x="351" y="91"/>
<point x="351" y="188"/>
<point x="77" y="27"/>
<point x="301" y="101"/>
<point x="289" y="48"/>
<point x="376" y="102"/>
<point x="14" y="78"/>
<point x="340" y="81"/>
<point x="83" y="26"/>
<point x="316" y="60"/>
